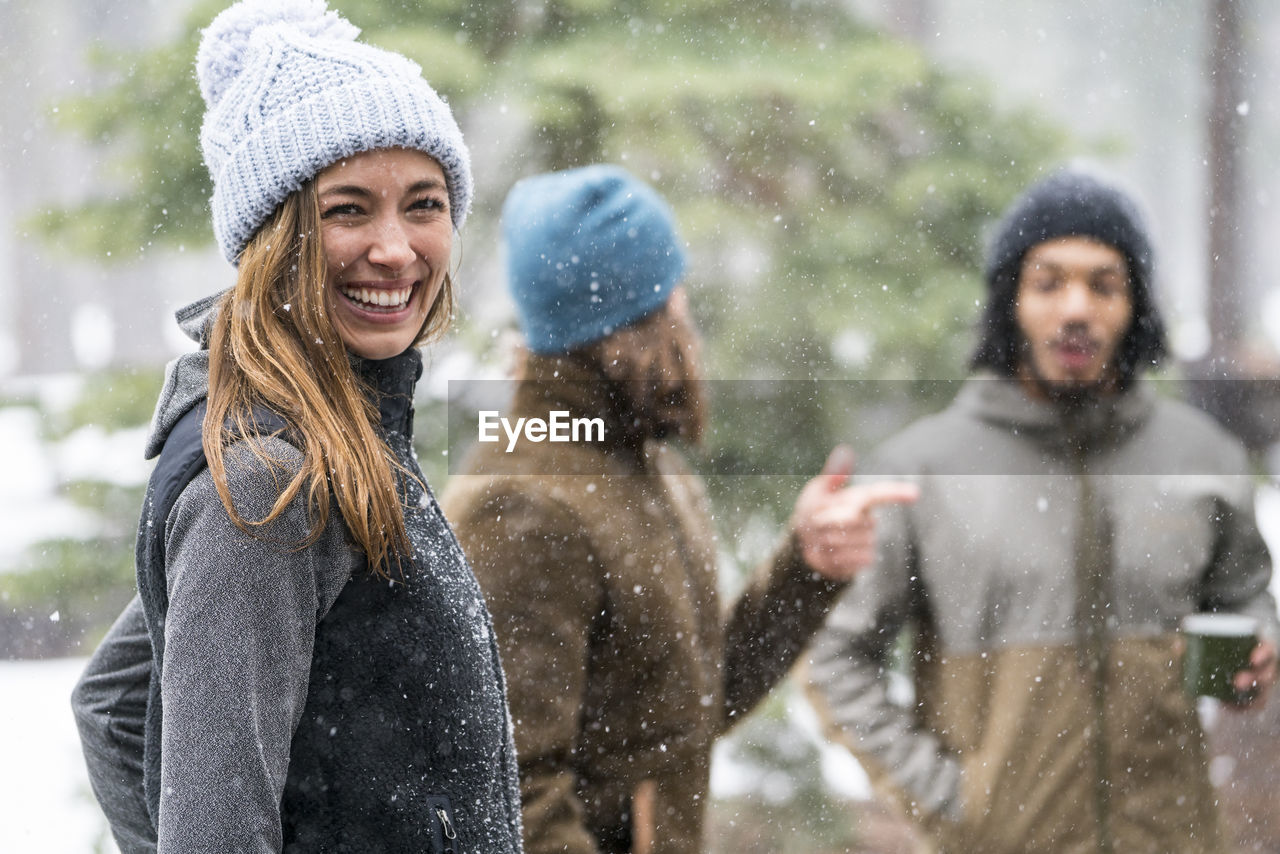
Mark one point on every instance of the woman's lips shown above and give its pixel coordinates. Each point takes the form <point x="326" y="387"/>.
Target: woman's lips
<point x="378" y="297"/>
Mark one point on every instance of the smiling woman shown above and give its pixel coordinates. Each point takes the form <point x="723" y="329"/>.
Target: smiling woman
<point x="309" y="665"/>
<point x="387" y="238"/>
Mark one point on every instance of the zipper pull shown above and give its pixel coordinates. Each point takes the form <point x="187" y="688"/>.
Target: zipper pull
<point x="449" y="832"/>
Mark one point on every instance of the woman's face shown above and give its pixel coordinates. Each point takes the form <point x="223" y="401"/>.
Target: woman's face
<point x="387" y="237"/>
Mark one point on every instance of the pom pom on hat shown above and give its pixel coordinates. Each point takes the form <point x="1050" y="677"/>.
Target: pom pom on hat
<point x="226" y="41"/>
<point x="289" y="91"/>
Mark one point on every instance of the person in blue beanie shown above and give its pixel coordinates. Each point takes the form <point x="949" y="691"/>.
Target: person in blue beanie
<point x="309" y="665"/>
<point x="598" y="556"/>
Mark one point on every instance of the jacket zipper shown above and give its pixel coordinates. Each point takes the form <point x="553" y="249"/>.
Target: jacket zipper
<point x="444" y="836"/>
<point x="449" y="832"/>
<point x="1093" y="571"/>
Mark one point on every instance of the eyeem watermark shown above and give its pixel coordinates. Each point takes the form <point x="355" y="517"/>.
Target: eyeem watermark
<point x="557" y="427"/>
<point x="786" y="427"/>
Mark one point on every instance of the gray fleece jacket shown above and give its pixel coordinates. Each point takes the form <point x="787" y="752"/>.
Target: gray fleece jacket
<point x="308" y="705"/>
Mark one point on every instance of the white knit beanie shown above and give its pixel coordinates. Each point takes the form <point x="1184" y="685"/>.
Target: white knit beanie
<point x="290" y="91"/>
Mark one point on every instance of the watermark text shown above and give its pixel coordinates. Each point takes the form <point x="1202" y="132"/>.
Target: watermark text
<point x="557" y="427"/>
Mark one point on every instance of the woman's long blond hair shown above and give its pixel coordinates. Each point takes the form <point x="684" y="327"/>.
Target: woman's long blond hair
<point x="274" y="344"/>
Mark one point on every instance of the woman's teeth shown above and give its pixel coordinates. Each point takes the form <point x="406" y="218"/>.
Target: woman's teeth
<point x="380" y="297"/>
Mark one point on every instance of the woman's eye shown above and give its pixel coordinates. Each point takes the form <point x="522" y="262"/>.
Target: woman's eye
<point x="340" y="210"/>
<point x="428" y="204"/>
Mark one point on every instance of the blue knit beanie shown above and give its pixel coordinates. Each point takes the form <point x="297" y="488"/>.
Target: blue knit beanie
<point x="588" y="251"/>
<point x="290" y="91"/>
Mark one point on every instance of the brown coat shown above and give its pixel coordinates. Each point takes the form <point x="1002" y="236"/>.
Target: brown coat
<point x="598" y="561"/>
<point x="1030" y="732"/>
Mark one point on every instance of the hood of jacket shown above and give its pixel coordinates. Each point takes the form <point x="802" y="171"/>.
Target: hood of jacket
<point x="186" y="380"/>
<point x="1101" y="422"/>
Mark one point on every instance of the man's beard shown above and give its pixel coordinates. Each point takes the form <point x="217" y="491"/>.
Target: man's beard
<point x="1067" y="394"/>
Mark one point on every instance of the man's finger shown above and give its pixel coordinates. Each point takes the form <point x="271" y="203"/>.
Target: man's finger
<point x="854" y="505"/>
<point x="838" y="467"/>
<point x="888" y="492"/>
<point x="840" y="532"/>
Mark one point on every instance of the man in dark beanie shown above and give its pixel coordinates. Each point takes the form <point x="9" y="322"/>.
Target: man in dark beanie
<point x="1070" y="205"/>
<point x="598" y="556"/>
<point x="1069" y="519"/>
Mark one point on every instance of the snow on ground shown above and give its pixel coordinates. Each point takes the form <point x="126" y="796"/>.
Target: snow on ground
<point x="843" y="776"/>
<point x="92" y="453"/>
<point x="46" y="805"/>
<point x="31" y="510"/>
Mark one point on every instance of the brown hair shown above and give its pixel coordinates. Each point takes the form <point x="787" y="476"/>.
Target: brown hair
<point x="656" y="364"/>
<point x="273" y="344"/>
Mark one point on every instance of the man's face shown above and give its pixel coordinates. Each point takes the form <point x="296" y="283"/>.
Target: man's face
<point x="1074" y="306"/>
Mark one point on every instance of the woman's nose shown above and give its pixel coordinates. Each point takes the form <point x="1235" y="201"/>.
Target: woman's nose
<point x="390" y="247"/>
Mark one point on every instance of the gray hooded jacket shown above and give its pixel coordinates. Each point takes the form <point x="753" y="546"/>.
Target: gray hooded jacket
<point x="308" y="705"/>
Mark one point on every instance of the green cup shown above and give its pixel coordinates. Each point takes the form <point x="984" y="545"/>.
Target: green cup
<point x="1218" y="647"/>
